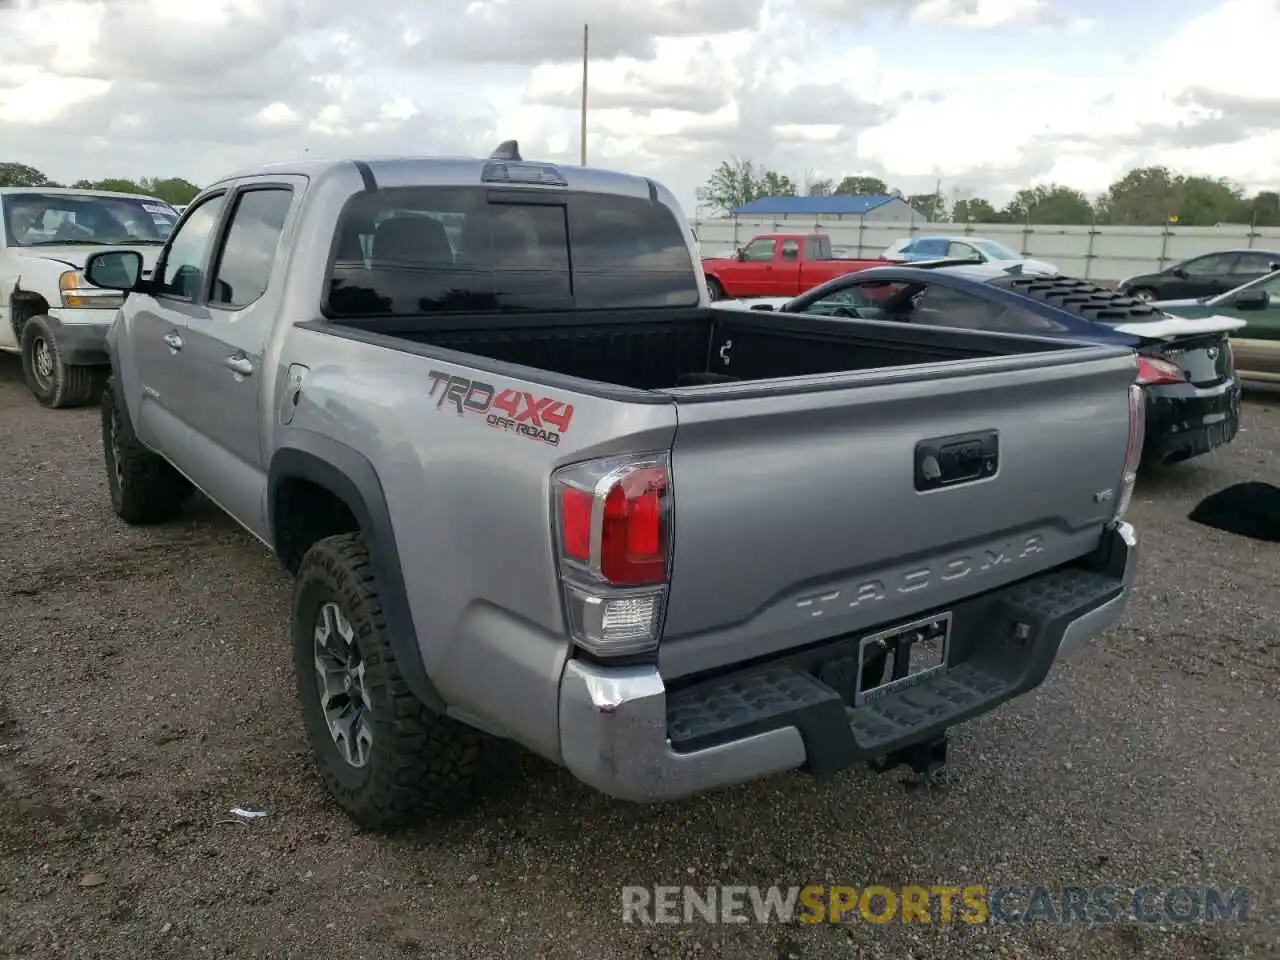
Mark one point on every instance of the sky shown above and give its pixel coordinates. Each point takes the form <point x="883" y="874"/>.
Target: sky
<point x="989" y="96"/>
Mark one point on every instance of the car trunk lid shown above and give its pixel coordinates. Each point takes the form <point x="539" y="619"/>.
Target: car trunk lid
<point x="1198" y="346"/>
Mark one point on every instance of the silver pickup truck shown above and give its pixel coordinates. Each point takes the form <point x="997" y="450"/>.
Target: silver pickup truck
<point x="531" y="486"/>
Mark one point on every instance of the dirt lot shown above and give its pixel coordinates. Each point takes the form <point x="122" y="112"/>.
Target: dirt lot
<point x="150" y="691"/>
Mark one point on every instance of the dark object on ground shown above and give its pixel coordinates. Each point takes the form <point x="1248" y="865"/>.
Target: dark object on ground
<point x="1249" y="509"/>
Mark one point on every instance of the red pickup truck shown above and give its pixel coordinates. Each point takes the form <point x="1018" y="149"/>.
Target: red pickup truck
<point x="778" y="265"/>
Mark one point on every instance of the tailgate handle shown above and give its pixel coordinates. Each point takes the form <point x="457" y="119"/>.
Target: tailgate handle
<point x="955" y="460"/>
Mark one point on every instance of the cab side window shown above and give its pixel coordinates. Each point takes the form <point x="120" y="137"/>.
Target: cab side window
<point x="182" y="273"/>
<point x="791" y="250"/>
<point x="758" y="250"/>
<point x="244" y="264"/>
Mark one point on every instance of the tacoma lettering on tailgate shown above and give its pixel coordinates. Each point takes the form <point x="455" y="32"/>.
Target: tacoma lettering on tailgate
<point x="919" y="578"/>
<point x="544" y="419"/>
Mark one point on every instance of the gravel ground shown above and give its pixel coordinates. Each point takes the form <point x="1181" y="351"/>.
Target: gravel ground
<point x="150" y="691"/>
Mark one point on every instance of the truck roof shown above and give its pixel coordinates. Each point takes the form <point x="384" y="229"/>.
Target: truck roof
<point x="74" y="192"/>
<point x="451" y="171"/>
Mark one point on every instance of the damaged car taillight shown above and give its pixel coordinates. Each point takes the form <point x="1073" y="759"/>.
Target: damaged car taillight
<point x="613" y="542"/>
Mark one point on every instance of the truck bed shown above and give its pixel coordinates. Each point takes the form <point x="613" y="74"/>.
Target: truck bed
<point x="805" y="504"/>
<point x="652" y="350"/>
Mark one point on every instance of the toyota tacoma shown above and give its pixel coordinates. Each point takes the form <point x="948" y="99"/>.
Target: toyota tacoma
<point x="531" y="486"/>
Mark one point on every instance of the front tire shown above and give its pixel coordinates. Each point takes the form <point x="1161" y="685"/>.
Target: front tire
<point x="51" y="381"/>
<point x="145" y="488"/>
<point x="1143" y="294"/>
<point x="714" y="290"/>
<point x="383" y="755"/>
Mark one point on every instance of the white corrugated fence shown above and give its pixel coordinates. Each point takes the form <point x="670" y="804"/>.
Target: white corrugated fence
<point x="1100" y="253"/>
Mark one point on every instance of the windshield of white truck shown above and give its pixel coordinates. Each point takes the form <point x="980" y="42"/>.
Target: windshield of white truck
<point x="51" y="219"/>
<point x="401" y="252"/>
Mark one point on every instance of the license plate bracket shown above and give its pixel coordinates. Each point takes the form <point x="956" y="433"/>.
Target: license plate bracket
<point x="913" y="651"/>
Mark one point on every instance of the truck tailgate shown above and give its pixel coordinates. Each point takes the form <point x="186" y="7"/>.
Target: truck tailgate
<point x="798" y="518"/>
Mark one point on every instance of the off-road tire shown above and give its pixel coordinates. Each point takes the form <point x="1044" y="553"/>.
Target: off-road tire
<point x="61" y="385"/>
<point x="714" y="289"/>
<point x="420" y="762"/>
<point x="145" y="489"/>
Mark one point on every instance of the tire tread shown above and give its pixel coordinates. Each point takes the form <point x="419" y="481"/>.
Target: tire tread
<point x="153" y="491"/>
<point x="423" y="762"/>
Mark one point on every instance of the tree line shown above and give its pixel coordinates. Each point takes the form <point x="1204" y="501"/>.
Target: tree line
<point x="173" y="190"/>
<point x="1146" y="196"/>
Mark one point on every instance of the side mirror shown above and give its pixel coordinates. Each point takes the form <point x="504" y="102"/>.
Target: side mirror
<point x="1252" y="300"/>
<point x="1179" y="273"/>
<point x="740" y="253"/>
<point x="114" y="269"/>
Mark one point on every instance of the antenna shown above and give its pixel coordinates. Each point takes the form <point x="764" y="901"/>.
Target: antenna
<point x="507" y="150"/>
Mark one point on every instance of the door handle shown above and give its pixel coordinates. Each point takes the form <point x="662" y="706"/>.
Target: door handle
<point x="239" y="363"/>
<point x="173" y="341"/>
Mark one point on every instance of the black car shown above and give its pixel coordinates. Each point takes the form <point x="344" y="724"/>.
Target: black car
<point x="1186" y="367"/>
<point x="1203" y="276"/>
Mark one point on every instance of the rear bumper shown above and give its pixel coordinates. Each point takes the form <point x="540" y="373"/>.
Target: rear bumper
<point x="624" y="733"/>
<point x="81" y="335"/>
<point x="1184" y="421"/>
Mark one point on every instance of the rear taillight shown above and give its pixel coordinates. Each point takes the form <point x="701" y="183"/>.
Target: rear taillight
<point x="613" y="542"/>
<point x="1133" y="452"/>
<point x="1152" y="372"/>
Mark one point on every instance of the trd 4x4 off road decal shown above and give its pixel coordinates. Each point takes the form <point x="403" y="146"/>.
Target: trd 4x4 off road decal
<point x="515" y="411"/>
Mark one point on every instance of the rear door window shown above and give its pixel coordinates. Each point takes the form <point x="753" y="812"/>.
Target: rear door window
<point x="1213" y="265"/>
<point x="407" y="251"/>
<point x="1254" y="264"/>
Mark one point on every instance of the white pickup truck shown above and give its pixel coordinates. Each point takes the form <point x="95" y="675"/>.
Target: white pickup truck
<point x="48" y="313"/>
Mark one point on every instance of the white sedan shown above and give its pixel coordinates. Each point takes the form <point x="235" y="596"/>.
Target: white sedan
<point x="963" y="248"/>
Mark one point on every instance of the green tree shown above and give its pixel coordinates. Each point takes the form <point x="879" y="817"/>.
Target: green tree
<point x="931" y="206"/>
<point x="861" y="186"/>
<point x="21" y="175"/>
<point x="737" y="182"/>
<point x="774" y="184"/>
<point x="173" y="190"/>
<point x="734" y="183"/>
<point x="1145" y="196"/>
<point x="1207" y="201"/>
<point x="116" y="185"/>
<point x="1157" y="195"/>
<point x="1264" y="209"/>
<point x="975" y="210"/>
<point x="1050" y="203"/>
<point x="822" y="187"/>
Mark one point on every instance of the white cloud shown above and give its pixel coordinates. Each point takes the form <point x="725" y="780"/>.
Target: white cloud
<point x="981" y="14"/>
<point x="989" y="95"/>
